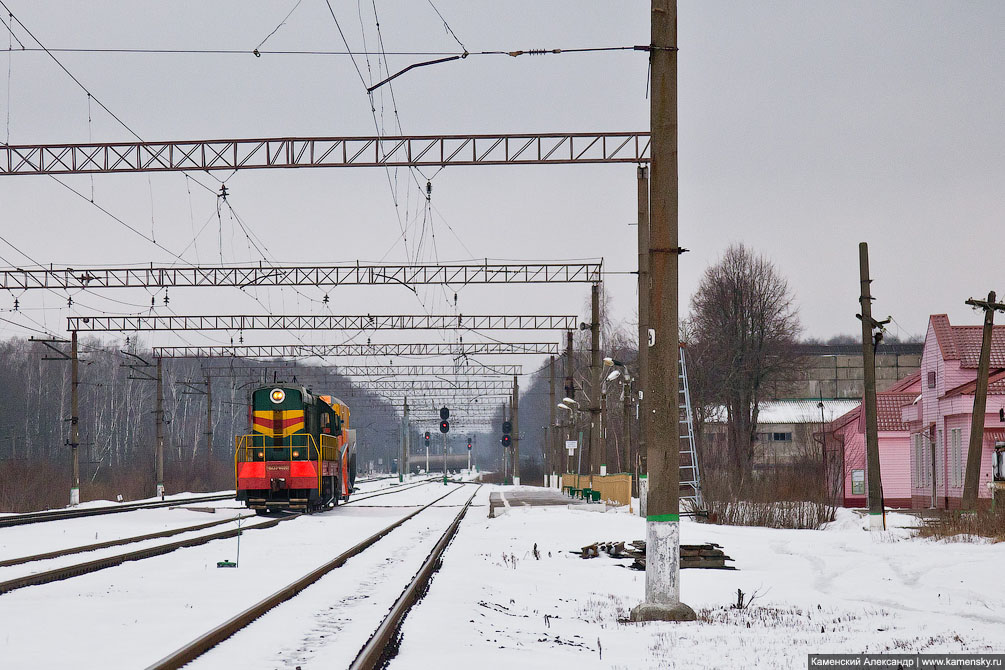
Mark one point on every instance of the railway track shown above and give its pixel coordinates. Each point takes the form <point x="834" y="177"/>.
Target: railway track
<point x="75" y="570"/>
<point x="88" y="567"/>
<point x="368" y="657"/>
<point x="59" y="515"/>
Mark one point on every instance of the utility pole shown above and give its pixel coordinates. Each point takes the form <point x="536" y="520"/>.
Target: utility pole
<point x="549" y="440"/>
<point x="159" y="422"/>
<point x="209" y="420"/>
<point x="74" y="420"/>
<point x="516" y="431"/>
<point x="644" y="288"/>
<point x="570" y="391"/>
<point x="877" y="518"/>
<point x="626" y="420"/>
<point x="404" y="443"/>
<point x="596" y="370"/>
<point x="444" y="459"/>
<point x="972" y="477"/>
<point x="662" y="601"/>
<point x="505" y="454"/>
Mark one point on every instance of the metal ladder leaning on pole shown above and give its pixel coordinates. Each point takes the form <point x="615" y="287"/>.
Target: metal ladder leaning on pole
<point x="690" y="478"/>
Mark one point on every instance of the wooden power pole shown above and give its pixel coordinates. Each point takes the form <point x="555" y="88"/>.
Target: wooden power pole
<point x="662" y="602"/>
<point x="972" y="477"/>
<point x="877" y="518"/>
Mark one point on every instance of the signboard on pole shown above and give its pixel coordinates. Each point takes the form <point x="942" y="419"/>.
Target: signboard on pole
<point x="570" y="445"/>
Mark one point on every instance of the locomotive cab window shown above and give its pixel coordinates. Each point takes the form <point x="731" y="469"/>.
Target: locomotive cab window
<point x="325" y="422"/>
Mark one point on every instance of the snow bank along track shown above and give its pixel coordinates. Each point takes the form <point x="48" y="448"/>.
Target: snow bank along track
<point x="370" y="654"/>
<point x="58" y="515"/>
<point x="78" y="569"/>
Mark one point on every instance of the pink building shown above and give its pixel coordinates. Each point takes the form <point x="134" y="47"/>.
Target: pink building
<point x="847" y="435"/>
<point x="924" y="425"/>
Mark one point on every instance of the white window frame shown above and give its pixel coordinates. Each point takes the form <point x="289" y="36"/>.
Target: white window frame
<point x="956" y="456"/>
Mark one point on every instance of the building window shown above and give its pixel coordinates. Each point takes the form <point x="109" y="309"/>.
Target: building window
<point x="931" y="379"/>
<point x="941" y="473"/>
<point x="956" y="456"/>
<point x="858" y="482"/>
<point x="781" y="437"/>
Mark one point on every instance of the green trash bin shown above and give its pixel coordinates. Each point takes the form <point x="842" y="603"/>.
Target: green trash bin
<point x="587" y="494"/>
<point x="595" y="496"/>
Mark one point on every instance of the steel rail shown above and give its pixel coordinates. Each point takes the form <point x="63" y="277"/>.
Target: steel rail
<point x="59" y="515"/>
<point x="374" y="653"/>
<point x="78" y="569"/>
<point x="116" y="543"/>
<point x="207" y="641"/>
<point x="397" y="489"/>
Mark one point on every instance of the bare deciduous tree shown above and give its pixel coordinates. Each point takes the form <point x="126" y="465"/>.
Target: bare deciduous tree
<point x="744" y="324"/>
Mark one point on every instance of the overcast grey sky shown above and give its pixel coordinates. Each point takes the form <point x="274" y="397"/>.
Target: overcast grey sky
<point x="805" y="128"/>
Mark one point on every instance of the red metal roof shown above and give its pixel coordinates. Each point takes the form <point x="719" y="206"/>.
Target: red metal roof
<point x="888" y="409"/>
<point x="944" y="336"/>
<point x="888" y="415"/>
<point x="963" y="343"/>
<point x="907" y="384"/>
<point x="996" y="385"/>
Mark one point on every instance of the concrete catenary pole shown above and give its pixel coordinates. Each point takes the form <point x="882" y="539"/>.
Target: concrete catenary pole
<point x="626" y="421"/>
<point x="505" y="454"/>
<point x="644" y="287"/>
<point x="972" y="476"/>
<point x="74" y="420"/>
<point x="159" y="423"/>
<point x="873" y="476"/>
<point x="550" y="441"/>
<point x="662" y="601"/>
<point x="209" y="419"/>
<point x="596" y="370"/>
<point x="516" y="431"/>
<point x="570" y="391"/>
<point x="403" y="450"/>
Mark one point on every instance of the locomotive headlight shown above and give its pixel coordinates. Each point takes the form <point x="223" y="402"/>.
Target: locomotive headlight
<point x="261" y="454"/>
<point x="277" y="396"/>
<point x="296" y="454"/>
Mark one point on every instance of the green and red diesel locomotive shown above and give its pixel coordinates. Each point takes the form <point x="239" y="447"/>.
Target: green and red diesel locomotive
<point x="300" y="454"/>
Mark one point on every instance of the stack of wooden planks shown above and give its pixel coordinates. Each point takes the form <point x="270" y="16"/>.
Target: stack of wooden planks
<point x="707" y="556"/>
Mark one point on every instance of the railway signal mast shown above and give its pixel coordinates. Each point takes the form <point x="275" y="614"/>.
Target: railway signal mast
<point x="444" y="428"/>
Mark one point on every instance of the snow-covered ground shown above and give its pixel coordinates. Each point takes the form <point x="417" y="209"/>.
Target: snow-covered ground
<point x="493" y="604"/>
<point x="134" y="614"/>
<point x="839" y="590"/>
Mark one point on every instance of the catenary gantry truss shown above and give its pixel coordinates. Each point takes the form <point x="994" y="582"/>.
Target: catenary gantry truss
<point x="472" y="369"/>
<point x="326" y="350"/>
<point x="320" y="322"/>
<point x="324" y="276"/>
<point x="302" y="152"/>
<point x="434" y="385"/>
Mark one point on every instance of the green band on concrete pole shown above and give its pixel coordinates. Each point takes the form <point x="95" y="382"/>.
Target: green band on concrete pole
<point x="663" y="517"/>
